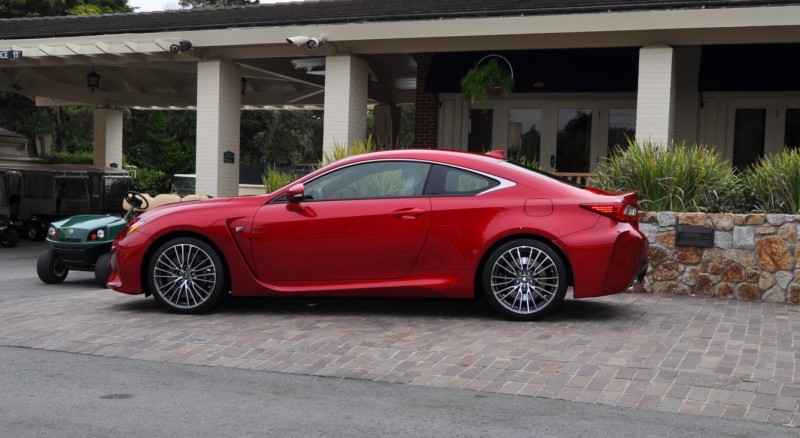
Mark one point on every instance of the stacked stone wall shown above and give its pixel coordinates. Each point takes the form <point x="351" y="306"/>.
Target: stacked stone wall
<point x="754" y="257"/>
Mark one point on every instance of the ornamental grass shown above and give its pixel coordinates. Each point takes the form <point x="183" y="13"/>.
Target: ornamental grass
<point x="775" y="181"/>
<point x="672" y="178"/>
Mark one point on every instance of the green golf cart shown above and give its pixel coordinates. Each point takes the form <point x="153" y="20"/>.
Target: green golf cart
<point x="83" y="242"/>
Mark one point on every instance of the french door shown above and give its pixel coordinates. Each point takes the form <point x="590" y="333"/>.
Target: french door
<point x="557" y="134"/>
<point x="758" y="127"/>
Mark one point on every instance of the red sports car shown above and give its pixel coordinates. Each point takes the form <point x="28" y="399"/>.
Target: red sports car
<point x="406" y="223"/>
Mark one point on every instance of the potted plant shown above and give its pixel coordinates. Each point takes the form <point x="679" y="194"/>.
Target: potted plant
<point x="488" y="78"/>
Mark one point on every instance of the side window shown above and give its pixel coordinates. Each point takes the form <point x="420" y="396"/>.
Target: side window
<point x="385" y="179"/>
<point x="450" y="181"/>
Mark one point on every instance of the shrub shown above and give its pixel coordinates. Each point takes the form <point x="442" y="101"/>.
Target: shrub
<point x="673" y="178"/>
<point x="56" y="157"/>
<point x="358" y="147"/>
<point x="276" y="178"/>
<point x="148" y="179"/>
<point x="775" y="181"/>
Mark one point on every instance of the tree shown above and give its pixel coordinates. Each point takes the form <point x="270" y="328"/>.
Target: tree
<point x="161" y="139"/>
<point x="39" y="8"/>
<point x="197" y="4"/>
<point x="20" y="114"/>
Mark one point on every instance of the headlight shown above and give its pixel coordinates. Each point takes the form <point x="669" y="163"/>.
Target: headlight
<point x="52" y="233"/>
<point x="97" y="234"/>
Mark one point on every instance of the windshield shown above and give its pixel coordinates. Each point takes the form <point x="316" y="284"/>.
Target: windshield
<point x="3" y="193"/>
<point x="184" y="184"/>
<point x="114" y="189"/>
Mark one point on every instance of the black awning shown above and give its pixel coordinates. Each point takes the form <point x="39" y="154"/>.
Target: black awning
<point x="545" y="71"/>
<point x="750" y="67"/>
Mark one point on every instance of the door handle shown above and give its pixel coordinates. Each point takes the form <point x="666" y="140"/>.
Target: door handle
<point x="408" y="213"/>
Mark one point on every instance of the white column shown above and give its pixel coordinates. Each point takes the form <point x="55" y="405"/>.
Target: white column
<point x="107" y="137"/>
<point x="218" y="105"/>
<point x="346" y="79"/>
<point x="655" y="103"/>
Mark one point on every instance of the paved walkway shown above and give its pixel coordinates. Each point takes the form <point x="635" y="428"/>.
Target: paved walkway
<point x="697" y="356"/>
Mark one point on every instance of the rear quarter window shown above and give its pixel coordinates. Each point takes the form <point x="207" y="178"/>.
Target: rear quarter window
<point x="451" y="181"/>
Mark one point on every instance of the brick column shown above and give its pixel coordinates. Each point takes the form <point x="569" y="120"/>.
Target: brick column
<point x="107" y="138"/>
<point x="655" y="103"/>
<point x="426" y="107"/>
<point x="218" y="105"/>
<point x="345" y="122"/>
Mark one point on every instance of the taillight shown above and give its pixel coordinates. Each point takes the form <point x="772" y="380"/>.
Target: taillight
<point x="618" y="211"/>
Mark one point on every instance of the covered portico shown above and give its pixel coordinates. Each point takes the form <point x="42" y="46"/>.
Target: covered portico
<point x="220" y="61"/>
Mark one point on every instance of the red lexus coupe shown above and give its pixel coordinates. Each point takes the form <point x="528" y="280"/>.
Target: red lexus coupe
<point x="406" y="223"/>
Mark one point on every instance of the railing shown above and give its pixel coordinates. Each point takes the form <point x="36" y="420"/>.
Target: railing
<point x="578" y="177"/>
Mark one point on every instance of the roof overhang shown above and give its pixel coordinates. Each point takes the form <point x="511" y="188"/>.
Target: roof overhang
<point x="140" y="70"/>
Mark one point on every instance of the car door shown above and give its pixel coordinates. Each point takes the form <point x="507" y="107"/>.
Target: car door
<point x="366" y="221"/>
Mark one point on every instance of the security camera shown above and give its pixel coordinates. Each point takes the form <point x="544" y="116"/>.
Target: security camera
<point x="297" y="40"/>
<point x="313" y="43"/>
<point x="181" y="46"/>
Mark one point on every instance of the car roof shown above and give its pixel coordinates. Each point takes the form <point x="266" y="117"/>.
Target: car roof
<point x="447" y="156"/>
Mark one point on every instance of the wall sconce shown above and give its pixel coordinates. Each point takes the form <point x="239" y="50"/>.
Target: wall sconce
<point x="93" y="80"/>
<point x="244" y="85"/>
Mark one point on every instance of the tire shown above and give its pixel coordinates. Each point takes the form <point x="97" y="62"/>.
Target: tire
<point x="186" y="275"/>
<point x="524" y="280"/>
<point x="101" y="269"/>
<point x="9" y="239"/>
<point x="34" y="232"/>
<point x="50" y="268"/>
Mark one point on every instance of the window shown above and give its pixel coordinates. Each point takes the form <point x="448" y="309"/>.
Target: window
<point x="451" y="181"/>
<point x="385" y="179"/>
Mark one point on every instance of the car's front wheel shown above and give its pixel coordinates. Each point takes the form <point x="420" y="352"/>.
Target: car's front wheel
<point x="186" y="275"/>
<point x="50" y="268"/>
<point x="524" y="280"/>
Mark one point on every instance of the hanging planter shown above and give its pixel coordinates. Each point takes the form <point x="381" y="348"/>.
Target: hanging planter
<point x="491" y="76"/>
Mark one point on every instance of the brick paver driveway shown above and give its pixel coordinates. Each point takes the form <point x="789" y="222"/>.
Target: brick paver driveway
<point x="715" y="357"/>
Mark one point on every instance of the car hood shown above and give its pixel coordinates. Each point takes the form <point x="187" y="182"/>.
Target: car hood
<point x="209" y="204"/>
<point x="88" y="221"/>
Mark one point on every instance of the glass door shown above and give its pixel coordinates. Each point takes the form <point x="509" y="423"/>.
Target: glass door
<point x="751" y="131"/>
<point x="480" y="130"/>
<point x="574" y="139"/>
<point x="790" y="125"/>
<point x="524" y="135"/>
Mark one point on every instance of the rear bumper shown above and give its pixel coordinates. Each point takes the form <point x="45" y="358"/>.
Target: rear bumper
<point x="604" y="264"/>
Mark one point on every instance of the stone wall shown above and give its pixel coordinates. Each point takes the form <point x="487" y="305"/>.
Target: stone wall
<point x="754" y="257"/>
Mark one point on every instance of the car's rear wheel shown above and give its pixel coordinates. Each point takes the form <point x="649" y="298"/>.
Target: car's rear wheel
<point x="186" y="275"/>
<point x="524" y="280"/>
<point x="9" y="239"/>
<point x="50" y="268"/>
<point x="101" y="268"/>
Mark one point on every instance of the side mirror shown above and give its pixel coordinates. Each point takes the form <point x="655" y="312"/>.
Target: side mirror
<point x="296" y="193"/>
